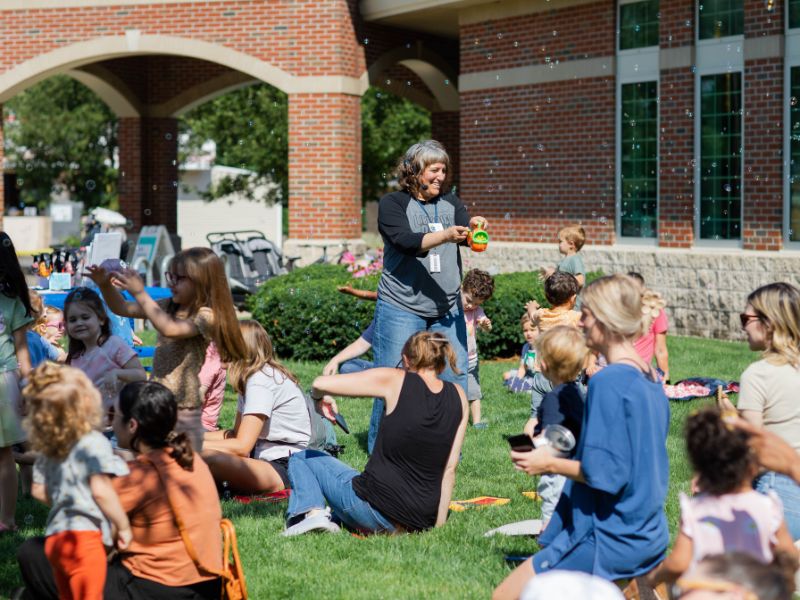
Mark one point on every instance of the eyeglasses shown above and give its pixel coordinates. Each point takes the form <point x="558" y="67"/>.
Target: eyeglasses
<point x="744" y="319"/>
<point x="59" y="325"/>
<point x="174" y="278"/>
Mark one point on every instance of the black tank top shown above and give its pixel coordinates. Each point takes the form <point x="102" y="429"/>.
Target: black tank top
<point x="403" y="477"/>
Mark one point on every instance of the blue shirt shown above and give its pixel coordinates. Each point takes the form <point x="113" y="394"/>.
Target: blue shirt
<point x="563" y="405"/>
<point x="368" y="332"/>
<point x="623" y="458"/>
<point x="40" y="349"/>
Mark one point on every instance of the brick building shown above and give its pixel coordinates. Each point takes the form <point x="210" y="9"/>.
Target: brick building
<point x="665" y="128"/>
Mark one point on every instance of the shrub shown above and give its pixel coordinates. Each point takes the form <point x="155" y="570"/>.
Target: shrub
<point x="308" y="319"/>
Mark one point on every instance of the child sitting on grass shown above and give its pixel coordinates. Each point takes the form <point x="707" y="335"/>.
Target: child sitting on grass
<point x="521" y="380"/>
<point x="561" y="290"/>
<point x="477" y="288"/>
<point x="570" y="241"/>
<point x="728" y="515"/>
<point x="562" y="354"/>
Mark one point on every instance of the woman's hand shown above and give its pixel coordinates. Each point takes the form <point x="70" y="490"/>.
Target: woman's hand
<point x="533" y="462"/>
<point x="129" y="280"/>
<point x="476" y="222"/>
<point x="456" y="234"/>
<point x="332" y="368"/>
<point x="772" y="451"/>
<point x="326" y="406"/>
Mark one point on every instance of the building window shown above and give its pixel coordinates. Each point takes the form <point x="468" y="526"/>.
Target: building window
<point x="638" y="25"/>
<point x="639" y="159"/>
<point x="794" y="155"/>
<point x="720" y="18"/>
<point x="721" y="156"/>
<point x="794" y="13"/>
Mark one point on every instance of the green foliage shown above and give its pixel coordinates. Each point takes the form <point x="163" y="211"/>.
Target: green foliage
<point x="250" y="128"/>
<point x="307" y="317"/>
<point x="390" y="124"/>
<point x="62" y="137"/>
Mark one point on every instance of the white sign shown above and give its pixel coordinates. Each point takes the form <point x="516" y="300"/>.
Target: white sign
<point x="61" y="213"/>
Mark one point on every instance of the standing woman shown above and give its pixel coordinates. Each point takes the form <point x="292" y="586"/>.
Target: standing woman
<point x="610" y="519"/>
<point x="768" y="395"/>
<point x="421" y="226"/>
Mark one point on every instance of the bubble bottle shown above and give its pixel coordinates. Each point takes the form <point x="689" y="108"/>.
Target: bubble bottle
<point x="478" y="239"/>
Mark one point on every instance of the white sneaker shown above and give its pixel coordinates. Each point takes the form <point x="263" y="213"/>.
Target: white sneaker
<point x="319" y="522"/>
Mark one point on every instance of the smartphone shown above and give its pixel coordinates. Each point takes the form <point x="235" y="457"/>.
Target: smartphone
<point x="342" y="423"/>
<point x="521" y="442"/>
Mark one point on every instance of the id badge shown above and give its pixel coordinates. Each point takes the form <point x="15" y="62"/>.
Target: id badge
<point x="434" y="227"/>
<point x="436" y="263"/>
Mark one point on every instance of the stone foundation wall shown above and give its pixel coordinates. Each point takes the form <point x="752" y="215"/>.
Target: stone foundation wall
<point x="705" y="288"/>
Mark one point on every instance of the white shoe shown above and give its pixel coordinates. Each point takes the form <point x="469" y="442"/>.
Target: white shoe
<point x="319" y="522"/>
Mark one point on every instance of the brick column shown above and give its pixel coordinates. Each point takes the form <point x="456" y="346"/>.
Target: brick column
<point x="2" y="171"/>
<point x="148" y="179"/>
<point x="446" y="128"/>
<point x="762" y="215"/>
<point x="676" y="142"/>
<point x="324" y="166"/>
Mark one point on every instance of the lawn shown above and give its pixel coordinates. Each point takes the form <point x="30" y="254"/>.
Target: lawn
<point x="455" y="561"/>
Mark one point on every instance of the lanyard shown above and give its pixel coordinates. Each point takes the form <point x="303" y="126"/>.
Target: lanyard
<point x="427" y="215"/>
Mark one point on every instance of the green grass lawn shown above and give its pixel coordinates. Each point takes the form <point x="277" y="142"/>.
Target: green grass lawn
<point x="455" y="561"/>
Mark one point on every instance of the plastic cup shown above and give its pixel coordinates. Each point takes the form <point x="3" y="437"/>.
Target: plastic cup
<point x="558" y="440"/>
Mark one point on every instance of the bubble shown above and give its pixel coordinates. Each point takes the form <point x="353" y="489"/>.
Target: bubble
<point x="603" y="220"/>
<point x="155" y="187"/>
<point x="148" y="212"/>
<point x="516" y="44"/>
<point x="447" y="82"/>
<point x="90" y="184"/>
<point x="477" y="41"/>
<point x="388" y="82"/>
<point x="540" y="147"/>
<point x="727" y="187"/>
<point x="488" y="56"/>
<point x="555" y="33"/>
<point x="793" y="101"/>
<point x="167" y="136"/>
<point x="366" y="41"/>
<point x="28" y="520"/>
<point x="6" y="242"/>
<point x="487" y="102"/>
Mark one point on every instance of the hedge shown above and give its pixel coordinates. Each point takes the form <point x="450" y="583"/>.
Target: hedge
<point x="309" y="319"/>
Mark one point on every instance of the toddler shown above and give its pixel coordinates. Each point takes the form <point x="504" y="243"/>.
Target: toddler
<point x="73" y="475"/>
<point x="562" y="355"/>
<point x="477" y="288"/>
<point x="561" y="290"/>
<point x="570" y="242"/>
<point x="106" y="359"/>
<point x="727" y="515"/>
<point x="654" y="341"/>
<point x="39" y="347"/>
<point x="521" y="380"/>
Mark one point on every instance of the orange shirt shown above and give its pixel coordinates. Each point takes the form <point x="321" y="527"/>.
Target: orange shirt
<point x="157" y="551"/>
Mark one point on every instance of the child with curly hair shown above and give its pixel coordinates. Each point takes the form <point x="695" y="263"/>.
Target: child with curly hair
<point x="477" y="288"/>
<point x="521" y="380"/>
<point x="561" y="290"/>
<point x="73" y="476"/>
<point x="728" y="515"/>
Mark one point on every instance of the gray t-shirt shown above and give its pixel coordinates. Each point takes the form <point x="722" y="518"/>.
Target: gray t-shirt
<point x="287" y="428"/>
<point x="407" y="281"/>
<point x="67" y="483"/>
<point x="572" y="264"/>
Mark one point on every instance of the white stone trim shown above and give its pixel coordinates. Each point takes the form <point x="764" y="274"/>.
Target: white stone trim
<point x="49" y="4"/>
<point x="119" y="103"/>
<point x="133" y="42"/>
<point x="493" y="11"/>
<point x="501" y="78"/>
<point x="770" y="46"/>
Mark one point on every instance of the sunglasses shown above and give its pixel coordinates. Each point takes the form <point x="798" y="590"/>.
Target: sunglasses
<point x="174" y="278"/>
<point x="744" y="319"/>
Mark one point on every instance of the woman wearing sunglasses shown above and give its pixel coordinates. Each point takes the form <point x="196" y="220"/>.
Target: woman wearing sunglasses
<point x="769" y="387"/>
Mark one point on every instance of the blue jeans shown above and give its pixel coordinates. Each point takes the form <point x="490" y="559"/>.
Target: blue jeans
<point x="393" y="327"/>
<point x="789" y="493"/>
<point x="355" y="365"/>
<point x="317" y="478"/>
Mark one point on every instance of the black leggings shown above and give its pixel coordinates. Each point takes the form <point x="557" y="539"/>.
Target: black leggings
<point x="121" y="584"/>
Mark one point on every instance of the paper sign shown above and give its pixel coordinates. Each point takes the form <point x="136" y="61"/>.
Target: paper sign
<point x="105" y="245"/>
<point x="60" y="281"/>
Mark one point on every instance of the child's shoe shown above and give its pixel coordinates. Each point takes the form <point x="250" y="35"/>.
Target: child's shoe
<point x="480" y="425"/>
<point x="321" y="521"/>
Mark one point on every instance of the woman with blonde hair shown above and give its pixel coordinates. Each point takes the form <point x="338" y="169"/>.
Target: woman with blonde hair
<point x="408" y="481"/>
<point x="768" y="395"/>
<point x="610" y="520"/>
<point x="272" y="421"/>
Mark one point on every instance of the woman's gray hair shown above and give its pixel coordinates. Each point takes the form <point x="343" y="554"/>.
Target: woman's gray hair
<point x="418" y="158"/>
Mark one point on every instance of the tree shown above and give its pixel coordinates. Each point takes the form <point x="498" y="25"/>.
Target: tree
<point x="250" y="129"/>
<point x="62" y="137"/>
<point x="390" y="124"/>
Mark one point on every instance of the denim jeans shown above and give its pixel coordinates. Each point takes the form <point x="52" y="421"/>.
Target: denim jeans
<point x="393" y="327"/>
<point x="317" y="478"/>
<point x="355" y="365"/>
<point x="789" y="493"/>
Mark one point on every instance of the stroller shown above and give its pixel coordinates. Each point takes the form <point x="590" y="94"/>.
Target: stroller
<point x="250" y="259"/>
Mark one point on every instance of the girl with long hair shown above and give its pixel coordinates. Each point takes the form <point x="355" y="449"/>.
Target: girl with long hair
<point x="15" y="363"/>
<point x="200" y="310"/>
<point x="272" y="421"/>
<point x="768" y="393"/>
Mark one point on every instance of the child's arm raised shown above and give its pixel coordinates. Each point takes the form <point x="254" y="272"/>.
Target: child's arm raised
<point x="116" y="302"/>
<point x="166" y="324"/>
<point x="108" y="501"/>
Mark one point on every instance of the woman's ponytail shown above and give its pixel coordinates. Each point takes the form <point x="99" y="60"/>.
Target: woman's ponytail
<point x="430" y="350"/>
<point x="182" y="450"/>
